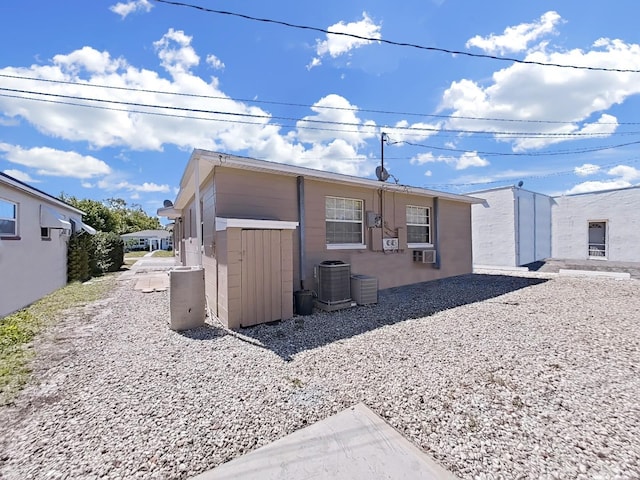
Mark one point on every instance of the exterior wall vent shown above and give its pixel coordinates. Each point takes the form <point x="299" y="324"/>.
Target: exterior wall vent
<point x="334" y="282"/>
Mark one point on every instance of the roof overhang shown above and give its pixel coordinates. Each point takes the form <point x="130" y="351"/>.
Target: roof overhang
<point x="206" y="161"/>
<point x="169" y="212"/>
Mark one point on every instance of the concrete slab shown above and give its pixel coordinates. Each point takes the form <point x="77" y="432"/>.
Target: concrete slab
<point x="152" y="282"/>
<point x="356" y="444"/>
<point x="594" y="273"/>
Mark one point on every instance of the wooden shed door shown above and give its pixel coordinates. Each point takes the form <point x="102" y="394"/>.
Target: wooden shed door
<point x="261" y="284"/>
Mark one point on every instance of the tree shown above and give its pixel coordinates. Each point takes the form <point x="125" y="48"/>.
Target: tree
<point x="113" y="215"/>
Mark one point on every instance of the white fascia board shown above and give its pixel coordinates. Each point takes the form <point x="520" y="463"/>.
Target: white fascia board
<point x="223" y="223"/>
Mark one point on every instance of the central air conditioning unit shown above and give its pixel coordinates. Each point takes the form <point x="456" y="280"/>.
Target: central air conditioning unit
<point x="334" y="282"/>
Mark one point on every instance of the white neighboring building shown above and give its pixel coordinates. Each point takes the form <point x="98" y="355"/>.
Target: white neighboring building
<point x="34" y="229"/>
<point x="598" y="225"/>
<point x="148" y="240"/>
<point x="515" y="226"/>
<point x="511" y="228"/>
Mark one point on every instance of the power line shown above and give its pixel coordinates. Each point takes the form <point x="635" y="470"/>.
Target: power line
<point x="190" y="117"/>
<point x="395" y="43"/>
<point x="529" y="177"/>
<point x="360" y="126"/>
<point x="533" y="154"/>
<point x="304" y="105"/>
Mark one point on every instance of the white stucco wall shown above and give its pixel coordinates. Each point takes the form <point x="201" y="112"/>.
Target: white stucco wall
<point x="493" y="228"/>
<point x="619" y="208"/>
<point x="30" y="267"/>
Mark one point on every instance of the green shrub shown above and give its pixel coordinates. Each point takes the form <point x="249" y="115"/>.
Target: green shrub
<point x="108" y="253"/>
<point x="79" y="254"/>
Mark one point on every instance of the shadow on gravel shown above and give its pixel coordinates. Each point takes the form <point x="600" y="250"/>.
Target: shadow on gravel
<point x="395" y="305"/>
<point x="206" y="332"/>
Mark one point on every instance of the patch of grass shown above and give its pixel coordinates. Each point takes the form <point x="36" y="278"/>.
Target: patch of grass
<point x="136" y="254"/>
<point x="18" y="329"/>
<point x="162" y="253"/>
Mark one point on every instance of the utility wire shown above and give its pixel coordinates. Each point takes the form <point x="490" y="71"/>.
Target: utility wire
<point x="391" y="42"/>
<point x="190" y="117"/>
<point x="304" y="105"/>
<point x="532" y="154"/>
<point x="528" y="177"/>
<point x="360" y="126"/>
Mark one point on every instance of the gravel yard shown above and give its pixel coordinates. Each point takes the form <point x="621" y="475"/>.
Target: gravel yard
<point x="493" y="376"/>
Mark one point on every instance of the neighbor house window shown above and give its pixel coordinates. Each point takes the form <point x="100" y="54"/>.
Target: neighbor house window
<point x="45" y="233"/>
<point x="8" y="219"/>
<point x="418" y="226"/>
<point x="344" y="222"/>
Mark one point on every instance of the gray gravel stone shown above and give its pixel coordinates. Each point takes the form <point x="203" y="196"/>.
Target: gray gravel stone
<point x="494" y="376"/>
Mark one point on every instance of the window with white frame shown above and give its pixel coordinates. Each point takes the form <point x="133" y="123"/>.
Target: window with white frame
<point x="344" y="226"/>
<point x="45" y="233"/>
<point x="418" y="226"/>
<point x="8" y="218"/>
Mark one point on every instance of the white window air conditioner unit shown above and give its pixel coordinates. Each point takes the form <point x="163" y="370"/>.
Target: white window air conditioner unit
<point x="428" y="256"/>
<point x="334" y="282"/>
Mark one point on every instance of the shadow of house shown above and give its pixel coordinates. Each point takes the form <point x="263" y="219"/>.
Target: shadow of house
<point x="287" y="338"/>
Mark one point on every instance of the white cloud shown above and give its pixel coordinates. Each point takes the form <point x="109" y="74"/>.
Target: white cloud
<point x="528" y="94"/>
<point x="337" y="45"/>
<point x="215" y="62"/>
<point x="176" y="52"/>
<point x="123" y="9"/>
<point x="464" y="161"/>
<point x="625" y="172"/>
<point x="132" y="131"/>
<point x="20" y="175"/>
<point x="342" y="123"/>
<point x="58" y="163"/>
<point x="626" y="176"/>
<point x="595" y="186"/>
<point x="518" y="37"/>
<point x="146" y="187"/>
<point x="402" y="131"/>
<point x="586" y="170"/>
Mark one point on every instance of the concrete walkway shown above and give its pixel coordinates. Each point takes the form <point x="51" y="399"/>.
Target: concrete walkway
<point x="151" y="273"/>
<point x="356" y="444"/>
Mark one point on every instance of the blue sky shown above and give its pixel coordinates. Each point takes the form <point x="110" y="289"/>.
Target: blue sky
<point x="453" y="122"/>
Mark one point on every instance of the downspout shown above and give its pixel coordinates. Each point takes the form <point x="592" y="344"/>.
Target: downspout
<point x="517" y="226"/>
<point x="301" y="229"/>
<point x="198" y="213"/>
<point x="436" y="224"/>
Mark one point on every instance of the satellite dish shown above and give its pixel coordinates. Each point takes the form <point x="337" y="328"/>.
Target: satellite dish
<point x="382" y="174"/>
<point x="520" y="183"/>
<point x="168" y="204"/>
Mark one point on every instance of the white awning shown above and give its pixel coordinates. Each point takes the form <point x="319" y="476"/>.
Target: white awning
<point x="49" y="218"/>
<point x="83" y="226"/>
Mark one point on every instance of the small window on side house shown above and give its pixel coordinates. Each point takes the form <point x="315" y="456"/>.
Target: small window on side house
<point x="418" y="227"/>
<point x="45" y="233"/>
<point x="8" y="218"/>
<point x="344" y="226"/>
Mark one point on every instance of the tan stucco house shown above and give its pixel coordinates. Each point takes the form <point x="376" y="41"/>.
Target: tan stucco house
<point x="34" y="230"/>
<point x="263" y="230"/>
